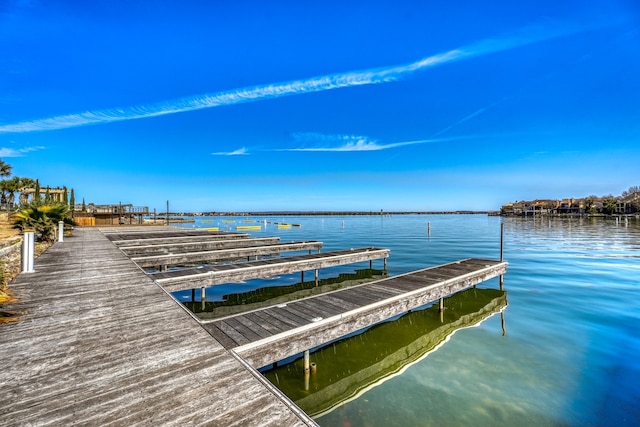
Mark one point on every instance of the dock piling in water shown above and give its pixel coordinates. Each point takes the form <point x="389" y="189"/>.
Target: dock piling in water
<point x="306" y="360"/>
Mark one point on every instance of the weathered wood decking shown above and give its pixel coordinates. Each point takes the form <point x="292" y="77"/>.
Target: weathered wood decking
<point x="267" y="335"/>
<point x="178" y="258"/>
<point x="209" y="275"/>
<point x="100" y="344"/>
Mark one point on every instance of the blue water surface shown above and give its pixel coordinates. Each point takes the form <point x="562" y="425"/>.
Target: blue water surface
<point x="570" y="354"/>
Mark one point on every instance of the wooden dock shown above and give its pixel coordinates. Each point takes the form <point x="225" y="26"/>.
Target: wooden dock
<point x="206" y="245"/>
<point x="168" y="236"/>
<point x="209" y="275"/>
<point x="180" y="258"/>
<point x="267" y="335"/>
<point x="100" y="342"/>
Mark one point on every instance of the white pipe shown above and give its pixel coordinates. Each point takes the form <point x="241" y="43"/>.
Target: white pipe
<point x="28" y="252"/>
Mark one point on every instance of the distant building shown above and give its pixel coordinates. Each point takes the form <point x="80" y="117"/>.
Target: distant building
<point x="119" y="214"/>
<point x="570" y="206"/>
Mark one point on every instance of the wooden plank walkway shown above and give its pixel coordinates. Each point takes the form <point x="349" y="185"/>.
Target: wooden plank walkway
<point x="99" y="343"/>
<point x="207" y="245"/>
<point x="223" y="254"/>
<point x="267" y="335"/>
<point x="204" y="276"/>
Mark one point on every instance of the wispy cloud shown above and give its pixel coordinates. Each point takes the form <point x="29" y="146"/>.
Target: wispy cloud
<point x="239" y="152"/>
<point x="17" y="152"/>
<point x="296" y="87"/>
<point x="467" y="118"/>
<point x="321" y="142"/>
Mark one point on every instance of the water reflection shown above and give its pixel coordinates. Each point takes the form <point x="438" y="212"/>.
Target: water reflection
<point x="347" y="368"/>
<point x="233" y="299"/>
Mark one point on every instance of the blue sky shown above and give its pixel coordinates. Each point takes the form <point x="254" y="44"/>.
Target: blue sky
<point x="289" y="105"/>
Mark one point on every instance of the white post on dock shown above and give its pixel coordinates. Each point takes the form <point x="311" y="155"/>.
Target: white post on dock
<point x="28" y="252"/>
<point x="60" y="231"/>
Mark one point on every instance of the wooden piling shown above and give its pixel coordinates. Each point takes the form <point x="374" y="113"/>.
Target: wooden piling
<point x="306" y="361"/>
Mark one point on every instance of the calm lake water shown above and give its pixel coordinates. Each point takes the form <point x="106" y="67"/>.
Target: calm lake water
<point x="560" y="347"/>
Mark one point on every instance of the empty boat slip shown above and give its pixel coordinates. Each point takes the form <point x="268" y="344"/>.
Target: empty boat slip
<point x="199" y="277"/>
<point x="207" y="245"/>
<point x="177" y="258"/>
<point x="160" y="237"/>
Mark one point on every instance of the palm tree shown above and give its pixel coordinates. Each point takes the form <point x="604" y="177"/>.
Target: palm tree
<point x="610" y="206"/>
<point x="5" y="168"/>
<point x="8" y="188"/>
<point x="42" y="218"/>
<point x="589" y="205"/>
<point x="24" y="184"/>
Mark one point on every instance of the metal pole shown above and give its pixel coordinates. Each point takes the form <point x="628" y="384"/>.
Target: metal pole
<point x="501" y="253"/>
<point x="501" y="241"/>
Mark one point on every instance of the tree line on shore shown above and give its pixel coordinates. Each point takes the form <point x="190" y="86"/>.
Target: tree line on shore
<point x="45" y="210"/>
